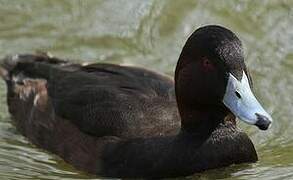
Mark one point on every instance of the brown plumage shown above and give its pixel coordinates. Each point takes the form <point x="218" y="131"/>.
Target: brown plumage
<point x="120" y="121"/>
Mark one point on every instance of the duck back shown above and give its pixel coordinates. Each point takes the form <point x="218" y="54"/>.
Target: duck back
<point x="100" y="99"/>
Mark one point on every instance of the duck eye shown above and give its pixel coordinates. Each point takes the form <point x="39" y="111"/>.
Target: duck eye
<point x="207" y="65"/>
<point x="238" y="94"/>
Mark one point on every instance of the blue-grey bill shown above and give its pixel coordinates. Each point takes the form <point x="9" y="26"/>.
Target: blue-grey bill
<point x="243" y="104"/>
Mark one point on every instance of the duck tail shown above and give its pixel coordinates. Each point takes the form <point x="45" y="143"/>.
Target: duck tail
<point x="6" y="65"/>
<point x="33" y="64"/>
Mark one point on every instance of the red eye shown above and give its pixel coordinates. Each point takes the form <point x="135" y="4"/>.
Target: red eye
<point x="207" y="65"/>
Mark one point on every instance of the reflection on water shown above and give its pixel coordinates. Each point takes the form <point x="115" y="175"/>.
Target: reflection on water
<point x="151" y="34"/>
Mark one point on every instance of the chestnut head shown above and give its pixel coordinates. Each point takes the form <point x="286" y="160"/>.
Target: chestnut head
<point x="211" y="74"/>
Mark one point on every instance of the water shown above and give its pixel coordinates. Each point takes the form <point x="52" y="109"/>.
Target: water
<point x="151" y="34"/>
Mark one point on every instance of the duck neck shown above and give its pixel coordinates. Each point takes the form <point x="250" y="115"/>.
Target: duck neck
<point x="201" y="120"/>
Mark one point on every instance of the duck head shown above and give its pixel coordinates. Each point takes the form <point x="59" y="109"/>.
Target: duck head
<point x="212" y="81"/>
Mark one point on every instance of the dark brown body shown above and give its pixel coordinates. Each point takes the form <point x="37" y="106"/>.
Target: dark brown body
<point x="114" y="121"/>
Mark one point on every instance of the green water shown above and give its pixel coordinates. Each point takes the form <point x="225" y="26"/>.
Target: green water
<point x="151" y="34"/>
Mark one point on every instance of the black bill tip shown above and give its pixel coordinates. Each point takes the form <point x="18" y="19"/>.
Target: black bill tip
<point x="263" y="122"/>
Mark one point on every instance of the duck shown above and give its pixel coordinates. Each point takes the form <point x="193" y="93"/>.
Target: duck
<point x="129" y="122"/>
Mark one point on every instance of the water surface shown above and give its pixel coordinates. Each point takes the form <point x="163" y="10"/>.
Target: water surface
<point x="151" y="34"/>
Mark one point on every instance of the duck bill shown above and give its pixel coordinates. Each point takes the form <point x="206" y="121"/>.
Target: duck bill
<point x="243" y="104"/>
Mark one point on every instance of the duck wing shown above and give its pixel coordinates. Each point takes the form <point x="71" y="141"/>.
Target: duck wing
<point x="103" y="99"/>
